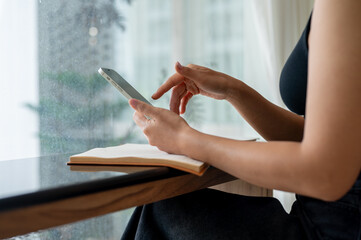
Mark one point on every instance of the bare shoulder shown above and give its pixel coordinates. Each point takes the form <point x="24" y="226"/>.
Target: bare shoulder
<point x="340" y="18"/>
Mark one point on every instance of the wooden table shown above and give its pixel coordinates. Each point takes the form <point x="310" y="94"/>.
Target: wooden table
<point x="122" y="188"/>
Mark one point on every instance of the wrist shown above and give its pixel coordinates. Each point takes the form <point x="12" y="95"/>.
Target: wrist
<point x="189" y="143"/>
<point x="235" y="91"/>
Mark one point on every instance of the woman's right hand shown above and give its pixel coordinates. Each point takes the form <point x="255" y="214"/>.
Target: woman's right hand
<point x="191" y="80"/>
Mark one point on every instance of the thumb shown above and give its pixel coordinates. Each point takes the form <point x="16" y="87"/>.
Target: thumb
<point x="187" y="72"/>
<point x="142" y="107"/>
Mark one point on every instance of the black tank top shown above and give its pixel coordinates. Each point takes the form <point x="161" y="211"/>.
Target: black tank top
<point x="293" y="81"/>
<point x="322" y="220"/>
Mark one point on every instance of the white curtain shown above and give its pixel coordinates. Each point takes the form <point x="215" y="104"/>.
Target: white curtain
<point x="19" y="71"/>
<point x="276" y="25"/>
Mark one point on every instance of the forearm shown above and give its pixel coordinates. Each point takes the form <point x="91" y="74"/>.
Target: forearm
<point x="284" y="166"/>
<point x="255" y="162"/>
<point x="269" y="120"/>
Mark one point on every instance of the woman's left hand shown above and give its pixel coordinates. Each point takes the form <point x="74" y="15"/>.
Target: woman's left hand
<point x="163" y="128"/>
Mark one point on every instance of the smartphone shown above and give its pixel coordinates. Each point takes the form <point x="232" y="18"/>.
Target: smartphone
<point x="119" y="83"/>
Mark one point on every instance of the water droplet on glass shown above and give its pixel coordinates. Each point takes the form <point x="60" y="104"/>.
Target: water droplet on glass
<point x="93" y="31"/>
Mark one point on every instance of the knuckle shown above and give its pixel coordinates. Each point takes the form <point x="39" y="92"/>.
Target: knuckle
<point x="190" y="68"/>
<point x="197" y="67"/>
<point x="177" y="92"/>
<point x="146" y="131"/>
<point x="191" y="87"/>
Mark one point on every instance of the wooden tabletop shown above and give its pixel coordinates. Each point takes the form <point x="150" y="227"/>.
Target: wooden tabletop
<point x="24" y="214"/>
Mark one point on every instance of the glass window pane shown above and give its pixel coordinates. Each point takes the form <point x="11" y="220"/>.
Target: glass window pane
<point x="54" y="100"/>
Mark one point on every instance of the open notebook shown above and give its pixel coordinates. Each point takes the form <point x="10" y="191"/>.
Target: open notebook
<point x="138" y="154"/>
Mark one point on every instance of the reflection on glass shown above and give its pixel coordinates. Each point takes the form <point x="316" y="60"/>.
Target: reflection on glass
<point x="107" y="227"/>
<point x="75" y="108"/>
<point x="141" y="39"/>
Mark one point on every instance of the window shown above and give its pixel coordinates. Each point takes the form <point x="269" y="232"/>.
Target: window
<point x="57" y="102"/>
<point x="54" y="101"/>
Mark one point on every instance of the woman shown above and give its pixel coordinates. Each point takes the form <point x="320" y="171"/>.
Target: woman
<point x="317" y="156"/>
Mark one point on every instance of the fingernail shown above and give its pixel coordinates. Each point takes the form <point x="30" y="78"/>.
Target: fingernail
<point x="179" y="65"/>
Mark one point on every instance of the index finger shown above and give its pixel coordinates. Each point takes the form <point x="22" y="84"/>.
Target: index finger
<point x="174" y="80"/>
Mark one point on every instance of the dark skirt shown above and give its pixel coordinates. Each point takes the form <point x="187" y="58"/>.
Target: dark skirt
<point x="212" y="214"/>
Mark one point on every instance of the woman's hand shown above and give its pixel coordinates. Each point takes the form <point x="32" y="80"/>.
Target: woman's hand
<point x="163" y="128"/>
<point x="192" y="80"/>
